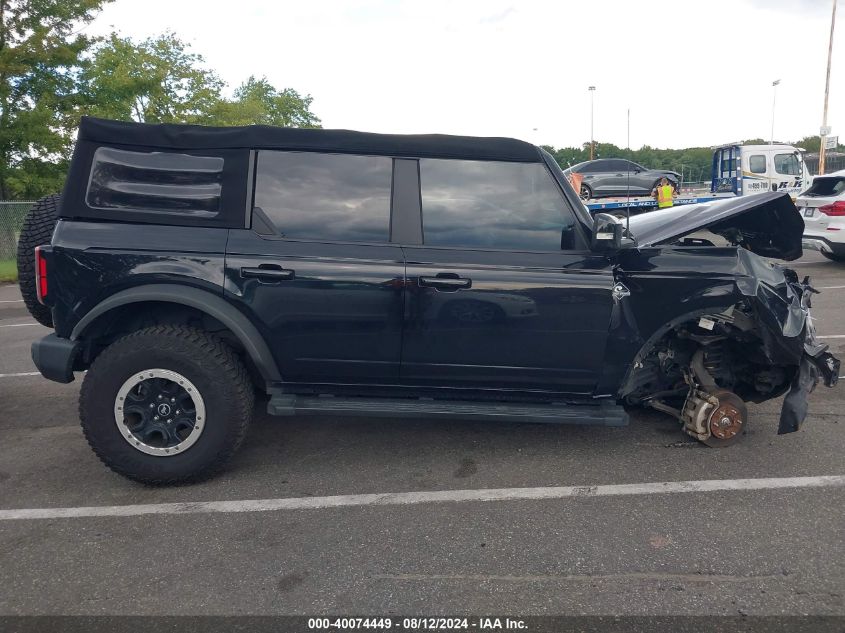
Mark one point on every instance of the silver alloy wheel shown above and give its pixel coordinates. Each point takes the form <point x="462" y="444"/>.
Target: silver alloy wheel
<point x="159" y="412"/>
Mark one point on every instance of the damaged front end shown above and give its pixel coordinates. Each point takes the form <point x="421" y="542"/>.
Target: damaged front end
<point x="815" y="364"/>
<point x="744" y="333"/>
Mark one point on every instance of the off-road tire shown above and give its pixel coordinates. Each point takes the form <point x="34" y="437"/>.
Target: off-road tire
<point x="208" y="363"/>
<point x="37" y="231"/>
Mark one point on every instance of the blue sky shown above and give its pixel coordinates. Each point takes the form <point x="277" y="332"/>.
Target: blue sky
<point x="692" y="73"/>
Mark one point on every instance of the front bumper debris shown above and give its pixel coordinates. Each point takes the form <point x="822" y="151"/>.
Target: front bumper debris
<point x="816" y="364"/>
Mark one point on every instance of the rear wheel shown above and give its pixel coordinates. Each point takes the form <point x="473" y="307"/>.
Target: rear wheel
<point x="166" y="404"/>
<point x="37" y="230"/>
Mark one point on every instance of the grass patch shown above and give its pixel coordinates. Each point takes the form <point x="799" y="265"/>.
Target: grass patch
<point x="8" y="270"/>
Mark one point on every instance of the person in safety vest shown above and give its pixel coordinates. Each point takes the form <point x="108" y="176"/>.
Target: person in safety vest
<point x="664" y="192"/>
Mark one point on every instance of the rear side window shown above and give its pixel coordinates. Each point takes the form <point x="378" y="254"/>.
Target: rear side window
<point x="495" y="205"/>
<point x="787" y="164"/>
<point x="332" y="197"/>
<point x="757" y="164"/>
<point x="155" y="182"/>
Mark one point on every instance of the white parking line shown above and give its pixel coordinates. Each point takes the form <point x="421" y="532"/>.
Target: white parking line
<point x="415" y="498"/>
<point x="830" y="287"/>
<point x="11" y="301"/>
<point x="832" y="336"/>
<point x="19" y="324"/>
<point x="23" y="373"/>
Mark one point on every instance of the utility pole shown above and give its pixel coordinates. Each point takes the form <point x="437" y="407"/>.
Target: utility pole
<point x="774" y="97"/>
<point x="824" y="130"/>
<point x="592" y="90"/>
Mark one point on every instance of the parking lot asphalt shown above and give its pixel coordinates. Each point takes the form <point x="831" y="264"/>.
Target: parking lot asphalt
<point x="746" y="551"/>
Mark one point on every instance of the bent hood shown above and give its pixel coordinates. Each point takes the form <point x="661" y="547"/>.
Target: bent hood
<point x="767" y="224"/>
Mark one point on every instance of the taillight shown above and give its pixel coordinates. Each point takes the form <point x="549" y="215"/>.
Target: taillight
<point x="837" y="208"/>
<point x="40" y="275"/>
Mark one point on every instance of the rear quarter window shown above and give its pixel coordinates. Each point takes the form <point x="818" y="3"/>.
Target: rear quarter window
<point x="155" y="182"/>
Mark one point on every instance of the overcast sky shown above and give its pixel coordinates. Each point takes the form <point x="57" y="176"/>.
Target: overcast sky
<point x="692" y="72"/>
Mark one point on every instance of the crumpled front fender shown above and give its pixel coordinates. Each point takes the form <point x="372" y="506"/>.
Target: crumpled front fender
<point x="816" y="364"/>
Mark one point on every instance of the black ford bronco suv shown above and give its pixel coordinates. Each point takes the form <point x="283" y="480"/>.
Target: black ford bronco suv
<point x="187" y="268"/>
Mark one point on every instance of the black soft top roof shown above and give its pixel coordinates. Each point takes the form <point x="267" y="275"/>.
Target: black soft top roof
<point x="199" y="137"/>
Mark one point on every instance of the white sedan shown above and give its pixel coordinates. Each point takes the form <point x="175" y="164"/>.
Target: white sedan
<point x="823" y="208"/>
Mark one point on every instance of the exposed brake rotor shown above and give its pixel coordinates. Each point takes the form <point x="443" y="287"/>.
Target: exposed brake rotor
<point x="728" y="419"/>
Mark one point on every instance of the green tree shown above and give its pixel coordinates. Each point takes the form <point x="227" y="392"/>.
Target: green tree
<point x="256" y="101"/>
<point x="158" y="80"/>
<point x="41" y="52"/>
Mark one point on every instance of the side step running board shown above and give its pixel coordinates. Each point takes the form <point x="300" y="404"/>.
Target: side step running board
<point x="601" y="414"/>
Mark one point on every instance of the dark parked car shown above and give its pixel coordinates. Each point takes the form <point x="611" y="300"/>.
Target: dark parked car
<point x="618" y="177"/>
<point x="186" y="268"/>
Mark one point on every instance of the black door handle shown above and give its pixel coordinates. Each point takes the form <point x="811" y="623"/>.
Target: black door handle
<point x="267" y="273"/>
<point x="445" y="283"/>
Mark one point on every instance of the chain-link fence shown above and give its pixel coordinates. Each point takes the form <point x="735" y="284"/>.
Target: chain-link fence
<point x="12" y="214"/>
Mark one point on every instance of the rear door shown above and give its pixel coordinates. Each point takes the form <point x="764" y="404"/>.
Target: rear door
<point x="317" y="271"/>
<point x="502" y="293"/>
<point x="624" y="178"/>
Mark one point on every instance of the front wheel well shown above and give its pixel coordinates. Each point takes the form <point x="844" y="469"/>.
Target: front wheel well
<point x="732" y="352"/>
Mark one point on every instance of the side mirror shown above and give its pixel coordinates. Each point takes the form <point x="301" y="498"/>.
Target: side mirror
<point x="607" y="233"/>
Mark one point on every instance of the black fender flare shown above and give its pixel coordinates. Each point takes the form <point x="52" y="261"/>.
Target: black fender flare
<point x="202" y="300"/>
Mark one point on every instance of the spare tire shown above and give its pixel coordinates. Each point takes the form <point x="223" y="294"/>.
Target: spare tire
<point x="37" y="231"/>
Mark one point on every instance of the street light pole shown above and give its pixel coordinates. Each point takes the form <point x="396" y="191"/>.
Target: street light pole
<point x="824" y="131"/>
<point x="774" y="97"/>
<point x="592" y="90"/>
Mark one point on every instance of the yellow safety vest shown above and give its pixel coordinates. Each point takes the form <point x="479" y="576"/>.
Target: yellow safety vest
<point x="664" y="196"/>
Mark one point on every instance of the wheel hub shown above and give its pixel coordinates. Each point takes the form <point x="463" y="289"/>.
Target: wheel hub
<point x="159" y="412"/>
<point x="725" y="421"/>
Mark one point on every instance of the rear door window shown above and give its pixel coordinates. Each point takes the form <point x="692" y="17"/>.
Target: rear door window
<point x="594" y="167"/>
<point x="325" y="197"/>
<point x="492" y="205"/>
<point x="619" y="165"/>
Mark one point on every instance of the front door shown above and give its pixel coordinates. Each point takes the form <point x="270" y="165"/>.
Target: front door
<point x="504" y="320"/>
<point x="500" y="295"/>
<point x="317" y="271"/>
